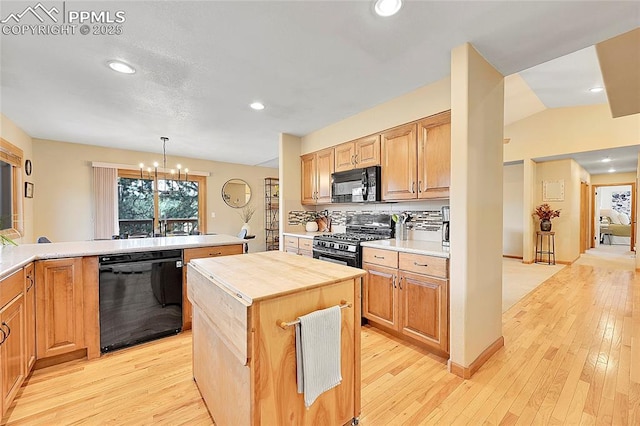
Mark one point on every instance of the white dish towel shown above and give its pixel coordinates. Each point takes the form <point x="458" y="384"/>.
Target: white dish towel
<point x="318" y="353"/>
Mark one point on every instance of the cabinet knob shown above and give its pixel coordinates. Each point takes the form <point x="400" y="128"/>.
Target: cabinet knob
<point x="378" y="257"/>
<point x="420" y="264"/>
<point x="400" y="282"/>
<point x="419" y="186"/>
<point x="413" y="186"/>
<point x="355" y="159"/>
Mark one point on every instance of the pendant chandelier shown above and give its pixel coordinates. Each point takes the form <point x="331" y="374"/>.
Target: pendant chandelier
<point x="172" y="172"/>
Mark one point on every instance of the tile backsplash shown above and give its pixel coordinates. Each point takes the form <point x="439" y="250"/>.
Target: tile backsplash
<point x="423" y="225"/>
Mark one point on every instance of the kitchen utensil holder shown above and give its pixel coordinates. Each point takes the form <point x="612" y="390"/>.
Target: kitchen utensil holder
<point x="402" y="233"/>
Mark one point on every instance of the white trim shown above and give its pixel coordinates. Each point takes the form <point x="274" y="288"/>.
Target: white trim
<point x="131" y="167"/>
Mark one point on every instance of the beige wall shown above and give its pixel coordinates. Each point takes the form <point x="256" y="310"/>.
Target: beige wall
<point x="290" y="179"/>
<point x="63" y="194"/>
<point x="16" y="136"/>
<point x="567" y="226"/>
<point x="423" y="102"/>
<point x="477" y="104"/>
<point x="613" y="178"/>
<point x="568" y="130"/>
<point x="513" y="197"/>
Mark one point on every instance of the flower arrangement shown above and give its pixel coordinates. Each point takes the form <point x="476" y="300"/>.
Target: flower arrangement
<point x="247" y="213"/>
<point x="544" y="212"/>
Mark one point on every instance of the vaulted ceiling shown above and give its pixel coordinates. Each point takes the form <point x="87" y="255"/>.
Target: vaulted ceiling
<point x="200" y="64"/>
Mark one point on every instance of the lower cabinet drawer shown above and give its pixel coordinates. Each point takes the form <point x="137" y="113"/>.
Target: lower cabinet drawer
<point x="201" y="252"/>
<point x="11" y="286"/>
<point x="423" y="264"/>
<point x="380" y="257"/>
<point x="290" y="241"/>
<point x="305" y="244"/>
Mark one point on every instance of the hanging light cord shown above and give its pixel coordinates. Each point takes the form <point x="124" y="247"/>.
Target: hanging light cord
<point x="164" y="151"/>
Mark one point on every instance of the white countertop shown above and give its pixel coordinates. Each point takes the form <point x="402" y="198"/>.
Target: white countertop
<point x="431" y="248"/>
<point x="14" y="257"/>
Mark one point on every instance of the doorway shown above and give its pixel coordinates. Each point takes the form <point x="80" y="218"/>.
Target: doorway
<point x="613" y="215"/>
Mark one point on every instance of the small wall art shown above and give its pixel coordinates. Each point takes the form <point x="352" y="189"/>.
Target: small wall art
<point x="553" y="190"/>
<point x="28" y="190"/>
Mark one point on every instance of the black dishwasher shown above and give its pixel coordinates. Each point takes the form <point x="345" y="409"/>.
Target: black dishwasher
<point x="140" y="297"/>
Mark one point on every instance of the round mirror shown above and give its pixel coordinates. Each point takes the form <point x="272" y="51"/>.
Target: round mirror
<point x="236" y="193"/>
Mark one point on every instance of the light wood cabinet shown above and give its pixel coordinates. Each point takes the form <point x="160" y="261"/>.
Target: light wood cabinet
<point x="363" y="152"/>
<point x="199" y="253"/>
<point x="59" y="307"/>
<point x="408" y="295"/>
<point x="434" y="156"/>
<point x="399" y="160"/>
<point x="300" y="246"/>
<point x="12" y="339"/>
<point x="424" y="309"/>
<point x="12" y="350"/>
<point x="316" y="170"/>
<point x="30" y="315"/>
<point x="380" y="294"/>
<point x="416" y="159"/>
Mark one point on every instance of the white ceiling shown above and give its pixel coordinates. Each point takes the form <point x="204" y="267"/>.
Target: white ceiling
<point x="199" y="65"/>
<point x="623" y="160"/>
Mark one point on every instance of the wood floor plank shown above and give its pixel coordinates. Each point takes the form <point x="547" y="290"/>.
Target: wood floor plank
<point x="571" y="356"/>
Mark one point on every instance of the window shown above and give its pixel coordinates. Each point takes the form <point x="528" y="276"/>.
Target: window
<point x="10" y="189"/>
<point x="150" y="206"/>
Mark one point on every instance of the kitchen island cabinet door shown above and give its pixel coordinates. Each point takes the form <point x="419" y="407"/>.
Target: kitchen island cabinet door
<point x="380" y="295"/>
<point x="424" y="310"/>
<point x="12" y="350"/>
<point x="59" y="307"/>
<point x="399" y="169"/>
<point x="434" y="156"/>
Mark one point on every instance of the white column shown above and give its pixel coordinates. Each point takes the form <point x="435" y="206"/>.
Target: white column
<point x="477" y="124"/>
<point x="529" y="186"/>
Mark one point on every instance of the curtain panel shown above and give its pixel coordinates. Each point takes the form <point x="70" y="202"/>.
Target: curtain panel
<point x="105" y="191"/>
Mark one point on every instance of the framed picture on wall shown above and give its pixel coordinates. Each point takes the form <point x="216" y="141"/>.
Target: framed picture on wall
<point x="553" y="190"/>
<point x="28" y="190"/>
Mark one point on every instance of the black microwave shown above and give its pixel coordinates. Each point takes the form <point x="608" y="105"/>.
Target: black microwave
<point x="356" y="186"/>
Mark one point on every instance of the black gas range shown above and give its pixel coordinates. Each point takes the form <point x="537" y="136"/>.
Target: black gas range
<point x="345" y="248"/>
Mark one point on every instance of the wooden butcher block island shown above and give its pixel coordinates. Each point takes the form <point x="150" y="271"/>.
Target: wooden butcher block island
<point x="244" y="363"/>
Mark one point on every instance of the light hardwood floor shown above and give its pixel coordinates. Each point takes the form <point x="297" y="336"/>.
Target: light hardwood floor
<point x="571" y="356"/>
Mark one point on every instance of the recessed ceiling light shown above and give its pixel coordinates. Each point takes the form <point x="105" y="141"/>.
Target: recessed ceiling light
<point x="387" y="7"/>
<point x="612" y="170"/>
<point x="257" y="106"/>
<point x="122" y="67"/>
<point x="596" y="89"/>
<point x="606" y="160"/>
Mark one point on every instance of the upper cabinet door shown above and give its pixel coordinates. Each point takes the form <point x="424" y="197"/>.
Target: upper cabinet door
<point x="308" y="174"/>
<point x="367" y="151"/>
<point x="399" y="171"/>
<point x="345" y="155"/>
<point x="434" y="156"/>
<point x="324" y="170"/>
